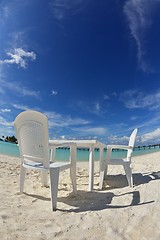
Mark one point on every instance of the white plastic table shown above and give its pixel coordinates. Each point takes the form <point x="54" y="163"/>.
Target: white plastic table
<point x="91" y="144"/>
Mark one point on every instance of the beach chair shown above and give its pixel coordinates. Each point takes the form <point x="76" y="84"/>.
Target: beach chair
<point x="33" y="140"/>
<point x="125" y="162"/>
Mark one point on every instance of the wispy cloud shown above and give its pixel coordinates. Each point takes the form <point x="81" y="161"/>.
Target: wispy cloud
<point x="133" y="118"/>
<point x="18" y="89"/>
<point x="150" y="121"/>
<point x="20" y="106"/>
<point x="138" y="99"/>
<point x="140" y="16"/>
<point x="88" y="106"/>
<point x="19" y="56"/>
<point x="60" y="120"/>
<point x="4" y="11"/>
<point x="9" y="8"/>
<point x="63" y="8"/>
<point x="55" y="119"/>
<point x="17" y="38"/>
<point x="114" y="94"/>
<point x="106" y="97"/>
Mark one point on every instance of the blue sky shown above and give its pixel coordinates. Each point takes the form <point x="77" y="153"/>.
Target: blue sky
<point x="92" y="66"/>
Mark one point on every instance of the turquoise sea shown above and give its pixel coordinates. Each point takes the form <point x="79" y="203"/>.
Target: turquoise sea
<point x="82" y="154"/>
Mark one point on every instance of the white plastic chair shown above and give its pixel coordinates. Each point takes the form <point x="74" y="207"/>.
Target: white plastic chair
<point x="32" y="134"/>
<point x="125" y="162"/>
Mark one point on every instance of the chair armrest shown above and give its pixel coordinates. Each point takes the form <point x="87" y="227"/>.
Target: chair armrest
<point x="119" y="147"/>
<point x="56" y="144"/>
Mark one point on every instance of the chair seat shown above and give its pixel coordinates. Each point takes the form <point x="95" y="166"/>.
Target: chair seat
<point x="118" y="161"/>
<point x="61" y="165"/>
<point x="33" y="165"/>
<point x="39" y="166"/>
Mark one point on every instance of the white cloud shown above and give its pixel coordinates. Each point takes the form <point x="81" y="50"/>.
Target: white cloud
<point x="28" y="92"/>
<point x="100" y="131"/>
<point x="95" y="131"/>
<point x="5" y="110"/>
<point x="19" y="56"/>
<point x="151" y="137"/>
<point x="118" y="140"/>
<point x="20" y="107"/>
<point x="54" y="92"/>
<point x="97" y="106"/>
<point x="5" y="123"/>
<point x="137" y="99"/>
<point x="133" y="118"/>
<point x="139" y="14"/>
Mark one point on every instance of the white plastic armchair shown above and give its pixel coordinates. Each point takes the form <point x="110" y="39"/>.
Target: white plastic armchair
<point x="125" y="162"/>
<point x="33" y="140"/>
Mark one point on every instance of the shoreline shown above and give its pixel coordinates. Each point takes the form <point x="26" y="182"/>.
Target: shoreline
<point x="96" y="160"/>
<point x="11" y="151"/>
<point x="116" y="212"/>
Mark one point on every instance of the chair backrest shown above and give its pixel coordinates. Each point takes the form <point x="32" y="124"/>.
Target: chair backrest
<point x="32" y="134"/>
<point x="131" y="143"/>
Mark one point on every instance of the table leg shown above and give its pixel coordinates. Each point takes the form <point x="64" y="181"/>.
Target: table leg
<point x="101" y="159"/>
<point x="109" y="152"/>
<point x="73" y="158"/>
<point x="101" y="168"/>
<point x="91" y="168"/>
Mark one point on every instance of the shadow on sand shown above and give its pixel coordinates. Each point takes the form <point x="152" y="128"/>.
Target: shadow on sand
<point x="100" y="200"/>
<point x="120" y="180"/>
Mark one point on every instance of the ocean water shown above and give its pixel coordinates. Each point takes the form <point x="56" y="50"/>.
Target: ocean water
<point x="82" y="154"/>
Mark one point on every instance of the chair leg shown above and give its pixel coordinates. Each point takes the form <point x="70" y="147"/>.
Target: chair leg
<point x="54" y="179"/>
<point x="73" y="179"/>
<point x="101" y="179"/>
<point x="108" y="157"/>
<point x="103" y="175"/>
<point x="22" y="178"/>
<point x="44" y="178"/>
<point x="106" y="169"/>
<point x="73" y="168"/>
<point x="128" y="171"/>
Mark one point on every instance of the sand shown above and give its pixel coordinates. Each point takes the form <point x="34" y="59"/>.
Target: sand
<point x="116" y="212"/>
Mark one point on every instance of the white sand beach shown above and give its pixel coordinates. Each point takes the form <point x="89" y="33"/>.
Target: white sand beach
<point x="117" y="212"/>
